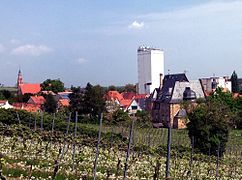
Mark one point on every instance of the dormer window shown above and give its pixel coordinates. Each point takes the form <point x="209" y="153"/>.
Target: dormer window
<point x="189" y="94"/>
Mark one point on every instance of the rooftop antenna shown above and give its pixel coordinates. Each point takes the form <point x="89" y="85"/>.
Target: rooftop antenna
<point x="168" y="71"/>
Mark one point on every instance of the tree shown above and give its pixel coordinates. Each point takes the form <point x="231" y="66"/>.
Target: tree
<point x="5" y="94"/>
<point x="24" y="98"/>
<point x="89" y="101"/>
<point x="121" y="118"/>
<point x="209" y="126"/>
<point x="234" y="82"/>
<point x="52" y="85"/>
<point x="50" y="104"/>
<point x="112" y="88"/>
<point x="77" y="100"/>
<point x="94" y="99"/>
<point x="143" y="119"/>
<point x="130" y="88"/>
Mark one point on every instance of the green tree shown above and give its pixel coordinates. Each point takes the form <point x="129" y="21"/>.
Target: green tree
<point x="94" y="99"/>
<point x="112" y="88"/>
<point x="50" y="104"/>
<point x="121" y="118"/>
<point x="89" y="101"/>
<point x="209" y="126"/>
<point x="54" y="85"/>
<point x="130" y="88"/>
<point x="77" y="100"/>
<point x="143" y="119"/>
<point x="5" y="94"/>
<point x="234" y="82"/>
<point x="24" y="98"/>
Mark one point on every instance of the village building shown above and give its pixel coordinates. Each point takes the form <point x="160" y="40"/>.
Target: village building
<point x="24" y="88"/>
<point x="36" y="100"/>
<point x="212" y="83"/>
<point x="127" y="101"/>
<point x="167" y="100"/>
<point x="4" y="104"/>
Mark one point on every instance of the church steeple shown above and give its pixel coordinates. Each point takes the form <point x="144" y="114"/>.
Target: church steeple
<point x="20" y="78"/>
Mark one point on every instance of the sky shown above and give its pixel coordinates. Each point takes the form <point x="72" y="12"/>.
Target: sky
<point x="80" y="41"/>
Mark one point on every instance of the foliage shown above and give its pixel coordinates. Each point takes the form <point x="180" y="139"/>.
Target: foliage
<point x="37" y="159"/>
<point x="233" y="103"/>
<point x="54" y="85"/>
<point x="24" y="98"/>
<point x="209" y="126"/>
<point x="112" y="88"/>
<point x="50" y="104"/>
<point x="77" y="100"/>
<point x="130" y="88"/>
<point x="234" y="81"/>
<point x="120" y="117"/>
<point x="5" y="94"/>
<point x="144" y="119"/>
<point x="89" y="101"/>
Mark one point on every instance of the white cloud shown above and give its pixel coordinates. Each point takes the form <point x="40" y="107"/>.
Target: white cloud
<point x="31" y="50"/>
<point x="2" y="48"/>
<point x="81" y="61"/>
<point x="136" y="25"/>
<point x="14" y="41"/>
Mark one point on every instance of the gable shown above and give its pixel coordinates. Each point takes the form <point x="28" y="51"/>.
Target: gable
<point x="179" y="88"/>
<point x="168" y="86"/>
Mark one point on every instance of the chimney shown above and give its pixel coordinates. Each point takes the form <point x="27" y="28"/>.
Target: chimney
<point x="161" y="80"/>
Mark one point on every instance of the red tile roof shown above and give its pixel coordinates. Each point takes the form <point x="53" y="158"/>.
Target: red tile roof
<point x="3" y="101"/>
<point x="64" y="102"/>
<point x="38" y="100"/>
<point x="113" y="95"/>
<point x="128" y="95"/>
<point x="29" y="88"/>
<point x="141" y="96"/>
<point x="27" y="107"/>
<point x="126" y="102"/>
<point x="235" y="95"/>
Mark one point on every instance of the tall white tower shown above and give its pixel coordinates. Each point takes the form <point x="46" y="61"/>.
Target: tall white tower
<point x="150" y="69"/>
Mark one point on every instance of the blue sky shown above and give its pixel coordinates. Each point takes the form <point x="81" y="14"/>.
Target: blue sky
<point x="96" y="41"/>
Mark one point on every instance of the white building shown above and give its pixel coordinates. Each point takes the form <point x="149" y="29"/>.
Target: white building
<point x="150" y="69"/>
<point x="4" y="104"/>
<point x="210" y="84"/>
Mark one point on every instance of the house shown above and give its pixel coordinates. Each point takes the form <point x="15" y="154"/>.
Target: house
<point x="63" y="95"/>
<point x="27" y="107"/>
<point x="127" y="101"/>
<point x="63" y="99"/>
<point x="168" y="103"/>
<point x="36" y="100"/>
<point x="4" y="104"/>
<point x="132" y="106"/>
<point x="212" y="83"/>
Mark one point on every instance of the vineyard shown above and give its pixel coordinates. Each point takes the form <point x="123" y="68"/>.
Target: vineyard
<point x="34" y="150"/>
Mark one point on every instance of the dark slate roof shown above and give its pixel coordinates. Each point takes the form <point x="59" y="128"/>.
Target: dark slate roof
<point x="168" y="85"/>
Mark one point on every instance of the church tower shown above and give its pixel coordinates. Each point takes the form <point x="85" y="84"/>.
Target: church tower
<point x="20" y="78"/>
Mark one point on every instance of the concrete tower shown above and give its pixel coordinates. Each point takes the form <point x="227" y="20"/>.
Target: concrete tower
<point x="150" y="69"/>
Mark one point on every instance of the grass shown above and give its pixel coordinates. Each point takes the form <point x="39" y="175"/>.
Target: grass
<point x="158" y="136"/>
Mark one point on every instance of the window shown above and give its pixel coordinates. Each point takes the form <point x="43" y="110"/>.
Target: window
<point x="134" y="107"/>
